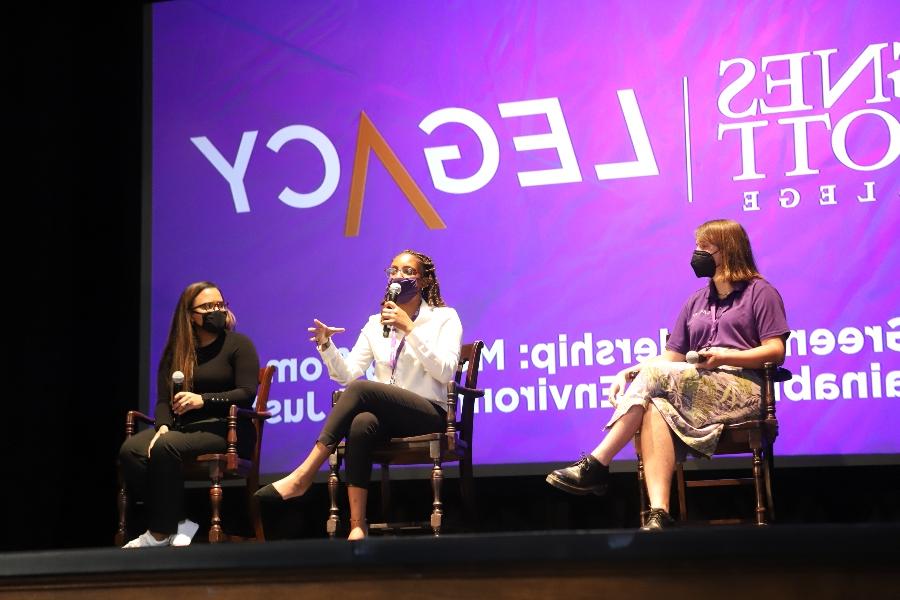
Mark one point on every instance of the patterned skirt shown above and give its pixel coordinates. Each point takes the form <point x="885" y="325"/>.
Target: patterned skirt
<point x="695" y="404"/>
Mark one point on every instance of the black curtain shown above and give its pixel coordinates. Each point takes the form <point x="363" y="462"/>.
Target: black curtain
<point x="71" y="266"/>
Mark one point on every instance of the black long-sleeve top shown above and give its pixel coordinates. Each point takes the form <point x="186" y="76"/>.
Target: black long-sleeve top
<point x="227" y="372"/>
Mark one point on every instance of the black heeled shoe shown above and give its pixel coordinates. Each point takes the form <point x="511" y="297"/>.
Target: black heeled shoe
<point x="269" y="494"/>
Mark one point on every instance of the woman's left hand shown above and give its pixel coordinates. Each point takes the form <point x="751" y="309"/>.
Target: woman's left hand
<point x="711" y="360"/>
<point x="391" y="314"/>
<point x="185" y="401"/>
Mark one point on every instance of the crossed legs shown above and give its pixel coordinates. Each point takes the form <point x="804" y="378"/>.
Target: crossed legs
<point x="657" y="449"/>
<point x="366" y="413"/>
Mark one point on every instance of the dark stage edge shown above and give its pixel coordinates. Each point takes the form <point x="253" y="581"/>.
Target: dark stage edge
<point x="822" y="561"/>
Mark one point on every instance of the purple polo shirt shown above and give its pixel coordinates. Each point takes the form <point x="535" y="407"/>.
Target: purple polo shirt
<point x="752" y="312"/>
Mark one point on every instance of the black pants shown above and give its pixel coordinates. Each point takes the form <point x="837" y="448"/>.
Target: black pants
<point x="369" y="412"/>
<point x="159" y="479"/>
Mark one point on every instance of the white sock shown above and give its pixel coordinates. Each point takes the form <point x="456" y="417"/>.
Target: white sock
<point x="186" y="531"/>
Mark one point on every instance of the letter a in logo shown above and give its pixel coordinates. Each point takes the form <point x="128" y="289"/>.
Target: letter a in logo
<point x="369" y="138"/>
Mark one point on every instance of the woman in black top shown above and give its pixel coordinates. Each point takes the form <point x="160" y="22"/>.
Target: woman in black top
<point x="220" y="368"/>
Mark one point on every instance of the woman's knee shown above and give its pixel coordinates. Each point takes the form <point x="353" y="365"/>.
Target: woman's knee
<point x="363" y="425"/>
<point x="166" y="449"/>
<point x="662" y="370"/>
<point x="133" y="450"/>
<point x="663" y="378"/>
<point x="650" y="413"/>
<point x="359" y="391"/>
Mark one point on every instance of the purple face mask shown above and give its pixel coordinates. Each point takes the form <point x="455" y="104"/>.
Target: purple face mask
<point x="408" y="290"/>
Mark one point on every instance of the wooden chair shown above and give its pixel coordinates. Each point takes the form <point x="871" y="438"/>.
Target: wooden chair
<point x="452" y="444"/>
<point x="217" y="467"/>
<point x="754" y="437"/>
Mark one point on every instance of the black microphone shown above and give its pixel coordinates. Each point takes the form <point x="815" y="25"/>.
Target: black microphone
<point x="177" y="387"/>
<point x="393" y="292"/>
<point x="692" y="357"/>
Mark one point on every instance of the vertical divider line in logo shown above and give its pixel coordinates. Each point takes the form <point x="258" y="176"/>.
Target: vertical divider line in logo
<point x="687" y="140"/>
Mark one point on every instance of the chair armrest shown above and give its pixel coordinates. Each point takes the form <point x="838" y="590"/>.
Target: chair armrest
<point x="231" y="436"/>
<point x="782" y="375"/>
<point x="138" y="415"/>
<point x="778" y="374"/>
<point x="246" y="413"/>
<point x="131" y="417"/>
<point x="771" y="373"/>
<point x="475" y="393"/>
<point x="453" y="391"/>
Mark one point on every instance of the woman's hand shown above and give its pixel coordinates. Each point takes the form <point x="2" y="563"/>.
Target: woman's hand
<point x="185" y="401"/>
<point x="163" y="429"/>
<point x="391" y="314"/>
<point x="710" y="359"/>
<point x="618" y="386"/>
<point x="322" y="332"/>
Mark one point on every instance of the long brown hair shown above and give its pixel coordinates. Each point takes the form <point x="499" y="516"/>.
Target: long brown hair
<point x="733" y="242"/>
<point x="431" y="293"/>
<point x="180" y="352"/>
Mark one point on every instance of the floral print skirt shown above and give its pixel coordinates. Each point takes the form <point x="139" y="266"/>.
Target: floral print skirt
<point x="695" y="403"/>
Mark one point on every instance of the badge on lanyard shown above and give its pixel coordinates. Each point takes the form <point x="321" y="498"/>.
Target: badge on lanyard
<point x="397" y="349"/>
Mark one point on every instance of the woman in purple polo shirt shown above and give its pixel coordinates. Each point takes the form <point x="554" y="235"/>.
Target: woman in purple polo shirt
<point x="736" y="324"/>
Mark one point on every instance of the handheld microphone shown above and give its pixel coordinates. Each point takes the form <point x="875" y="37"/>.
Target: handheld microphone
<point x="177" y="387"/>
<point x="692" y="357"/>
<point x="393" y="292"/>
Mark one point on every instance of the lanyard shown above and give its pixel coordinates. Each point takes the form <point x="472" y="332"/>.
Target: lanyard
<point x="395" y="354"/>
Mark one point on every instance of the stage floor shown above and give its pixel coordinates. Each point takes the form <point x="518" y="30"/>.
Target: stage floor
<point x="821" y="561"/>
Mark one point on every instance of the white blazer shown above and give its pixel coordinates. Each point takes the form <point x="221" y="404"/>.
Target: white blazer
<point x="427" y="361"/>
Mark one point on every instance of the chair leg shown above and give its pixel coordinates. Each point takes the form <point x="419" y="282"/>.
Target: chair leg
<point x="437" y="476"/>
<point x="334" y="515"/>
<point x="122" y="502"/>
<point x="770" y="473"/>
<point x="758" y="485"/>
<point x="644" y="507"/>
<point x="682" y="492"/>
<point x="216" y="534"/>
<point x="386" y="493"/>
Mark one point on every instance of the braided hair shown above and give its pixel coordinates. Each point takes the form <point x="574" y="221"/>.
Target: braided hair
<point x="431" y="293"/>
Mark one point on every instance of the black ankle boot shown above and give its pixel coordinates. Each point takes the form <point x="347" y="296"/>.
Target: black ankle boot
<point x="658" y="519"/>
<point x="587" y="476"/>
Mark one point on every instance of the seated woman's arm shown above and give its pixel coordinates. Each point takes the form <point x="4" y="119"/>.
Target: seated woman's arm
<point x="344" y="370"/>
<point x="627" y="374"/>
<point x="163" y="416"/>
<point x="770" y="350"/>
<point x="246" y="377"/>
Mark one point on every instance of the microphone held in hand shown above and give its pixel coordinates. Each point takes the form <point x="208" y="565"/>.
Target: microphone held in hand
<point x="692" y="357"/>
<point x="393" y="292"/>
<point x="177" y="388"/>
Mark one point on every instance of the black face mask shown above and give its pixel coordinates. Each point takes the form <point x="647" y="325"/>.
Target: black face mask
<point x="214" y="321"/>
<point x="703" y="263"/>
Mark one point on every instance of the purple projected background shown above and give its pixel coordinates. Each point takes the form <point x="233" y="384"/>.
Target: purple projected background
<point x="678" y="90"/>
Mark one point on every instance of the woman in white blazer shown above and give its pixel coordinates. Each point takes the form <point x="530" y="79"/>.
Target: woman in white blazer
<point x="413" y="365"/>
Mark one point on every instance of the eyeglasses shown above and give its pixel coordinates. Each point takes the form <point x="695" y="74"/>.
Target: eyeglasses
<point x="210" y="306"/>
<point x="408" y="271"/>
